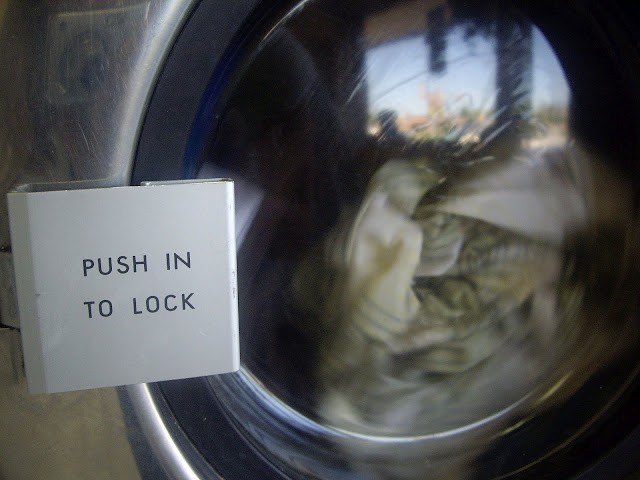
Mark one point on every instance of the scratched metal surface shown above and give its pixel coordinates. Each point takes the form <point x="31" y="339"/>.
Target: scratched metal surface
<point x="75" y="80"/>
<point x="75" y="77"/>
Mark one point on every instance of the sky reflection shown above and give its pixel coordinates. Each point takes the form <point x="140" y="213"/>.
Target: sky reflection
<point x="399" y="79"/>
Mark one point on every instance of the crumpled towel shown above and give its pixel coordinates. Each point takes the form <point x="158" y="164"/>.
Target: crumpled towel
<point x="425" y="289"/>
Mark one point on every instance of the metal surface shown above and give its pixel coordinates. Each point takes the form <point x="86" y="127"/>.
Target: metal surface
<point x="76" y="79"/>
<point x="73" y="435"/>
<point x="8" y="300"/>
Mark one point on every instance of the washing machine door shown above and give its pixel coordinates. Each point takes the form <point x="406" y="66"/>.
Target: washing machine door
<point x="436" y="225"/>
<point x="436" y="232"/>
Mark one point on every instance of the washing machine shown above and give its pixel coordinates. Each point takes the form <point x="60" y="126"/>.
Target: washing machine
<point x="436" y="224"/>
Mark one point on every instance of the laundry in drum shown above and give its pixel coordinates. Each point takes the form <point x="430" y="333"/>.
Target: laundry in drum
<point x="433" y="284"/>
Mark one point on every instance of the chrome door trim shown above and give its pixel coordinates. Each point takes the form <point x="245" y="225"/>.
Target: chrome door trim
<point x="166" y="452"/>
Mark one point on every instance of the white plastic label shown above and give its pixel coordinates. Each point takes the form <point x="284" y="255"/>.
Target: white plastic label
<point x="125" y="285"/>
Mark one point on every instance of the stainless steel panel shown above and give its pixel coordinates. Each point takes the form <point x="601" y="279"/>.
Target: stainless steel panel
<point x="76" y="78"/>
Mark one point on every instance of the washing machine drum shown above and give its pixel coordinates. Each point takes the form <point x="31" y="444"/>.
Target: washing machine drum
<point x="437" y="234"/>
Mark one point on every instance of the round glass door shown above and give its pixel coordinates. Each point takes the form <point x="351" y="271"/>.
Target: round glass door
<point x="437" y="234"/>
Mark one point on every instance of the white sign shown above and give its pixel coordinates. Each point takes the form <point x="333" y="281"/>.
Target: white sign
<point x="125" y="285"/>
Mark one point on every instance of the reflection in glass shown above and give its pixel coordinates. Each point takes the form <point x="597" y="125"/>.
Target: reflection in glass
<point x="462" y="94"/>
<point x="419" y="229"/>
